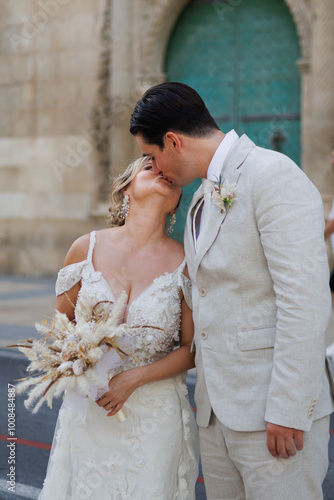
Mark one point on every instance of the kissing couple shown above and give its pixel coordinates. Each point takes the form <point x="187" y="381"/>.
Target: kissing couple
<point x="246" y="301"/>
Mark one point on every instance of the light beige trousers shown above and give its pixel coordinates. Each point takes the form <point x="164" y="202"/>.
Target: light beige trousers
<point x="238" y="466"/>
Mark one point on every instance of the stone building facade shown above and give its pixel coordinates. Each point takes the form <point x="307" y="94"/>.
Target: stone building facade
<point x="70" y="73"/>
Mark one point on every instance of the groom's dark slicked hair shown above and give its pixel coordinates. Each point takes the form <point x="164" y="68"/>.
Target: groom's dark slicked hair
<point x="171" y="106"/>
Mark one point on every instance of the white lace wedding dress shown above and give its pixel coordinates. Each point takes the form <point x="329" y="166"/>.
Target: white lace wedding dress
<point x="152" y="454"/>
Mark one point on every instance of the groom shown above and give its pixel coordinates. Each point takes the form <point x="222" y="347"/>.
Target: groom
<point x="256" y="257"/>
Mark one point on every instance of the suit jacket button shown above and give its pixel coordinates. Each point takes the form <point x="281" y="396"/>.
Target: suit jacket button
<point x="202" y="292"/>
<point x="203" y="335"/>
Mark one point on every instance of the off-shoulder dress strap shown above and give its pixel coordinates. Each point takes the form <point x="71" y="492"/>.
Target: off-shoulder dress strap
<point x="185" y="284"/>
<point x="70" y="275"/>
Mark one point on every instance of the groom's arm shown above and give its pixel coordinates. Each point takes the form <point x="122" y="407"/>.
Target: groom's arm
<point x="289" y="214"/>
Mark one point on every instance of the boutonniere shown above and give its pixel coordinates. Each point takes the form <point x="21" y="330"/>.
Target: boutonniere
<point x="224" y="194"/>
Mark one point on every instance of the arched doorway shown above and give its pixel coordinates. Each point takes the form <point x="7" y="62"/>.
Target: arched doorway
<point x="241" y="58"/>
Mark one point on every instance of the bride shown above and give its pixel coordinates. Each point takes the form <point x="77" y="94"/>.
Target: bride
<point x="151" y="454"/>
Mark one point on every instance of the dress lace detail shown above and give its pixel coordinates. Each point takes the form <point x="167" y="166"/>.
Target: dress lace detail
<point x="69" y="276"/>
<point x="152" y="455"/>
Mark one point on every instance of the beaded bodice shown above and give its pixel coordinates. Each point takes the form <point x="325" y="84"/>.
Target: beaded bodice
<point x="159" y="305"/>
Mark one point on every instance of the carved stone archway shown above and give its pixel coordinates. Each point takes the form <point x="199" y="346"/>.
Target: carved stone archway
<point x="162" y="18"/>
<point x="302" y="17"/>
<point x="160" y="23"/>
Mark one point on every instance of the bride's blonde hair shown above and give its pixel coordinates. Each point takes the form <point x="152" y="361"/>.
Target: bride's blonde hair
<point x="115" y="218"/>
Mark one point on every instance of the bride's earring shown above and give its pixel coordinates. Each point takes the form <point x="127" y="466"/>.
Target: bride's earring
<point x="170" y="227"/>
<point x="124" y="212"/>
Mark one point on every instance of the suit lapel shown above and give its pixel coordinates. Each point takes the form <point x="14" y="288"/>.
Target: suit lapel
<point x="231" y="173"/>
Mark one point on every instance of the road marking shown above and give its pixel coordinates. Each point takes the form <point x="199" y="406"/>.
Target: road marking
<point x="26" y="442"/>
<point x="22" y="490"/>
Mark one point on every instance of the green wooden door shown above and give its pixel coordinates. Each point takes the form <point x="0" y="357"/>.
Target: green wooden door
<point x="241" y="58"/>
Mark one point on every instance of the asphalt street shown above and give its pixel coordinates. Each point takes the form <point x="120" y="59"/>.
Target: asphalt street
<point x="34" y="433"/>
<point x="23" y="301"/>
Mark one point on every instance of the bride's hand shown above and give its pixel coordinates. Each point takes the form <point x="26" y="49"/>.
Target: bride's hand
<point x="121" y="387"/>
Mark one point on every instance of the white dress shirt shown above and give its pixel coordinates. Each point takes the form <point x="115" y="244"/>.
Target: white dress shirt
<point x="217" y="162"/>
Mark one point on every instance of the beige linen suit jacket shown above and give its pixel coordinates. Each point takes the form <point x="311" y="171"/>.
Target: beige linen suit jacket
<point x="261" y="299"/>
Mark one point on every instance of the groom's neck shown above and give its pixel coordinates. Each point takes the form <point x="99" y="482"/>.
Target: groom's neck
<point x="206" y="148"/>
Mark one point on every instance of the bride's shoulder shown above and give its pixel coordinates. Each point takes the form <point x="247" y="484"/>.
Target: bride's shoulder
<point x="78" y="250"/>
<point x="108" y="234"/>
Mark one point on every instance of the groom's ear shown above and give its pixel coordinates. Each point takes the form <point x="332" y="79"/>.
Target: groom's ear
<point x="173" y="141"/>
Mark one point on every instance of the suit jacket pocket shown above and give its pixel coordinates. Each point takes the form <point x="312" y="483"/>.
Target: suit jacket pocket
<point x="262" y="338"/>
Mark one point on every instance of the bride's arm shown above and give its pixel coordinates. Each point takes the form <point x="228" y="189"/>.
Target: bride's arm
<point x="181" y="359"/>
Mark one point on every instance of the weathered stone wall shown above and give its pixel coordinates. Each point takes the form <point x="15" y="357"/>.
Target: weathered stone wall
<point x="50" y="79"/>
<point x="70" y="73"/>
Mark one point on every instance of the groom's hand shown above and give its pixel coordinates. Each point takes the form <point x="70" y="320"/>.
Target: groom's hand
<point x="283" y="441"/>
